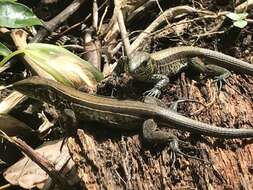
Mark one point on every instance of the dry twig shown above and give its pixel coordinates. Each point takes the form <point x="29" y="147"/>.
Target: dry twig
<point x="40" y="160"/>
<point x="95" y="15"/>
<point x="245" y="6"/>
<point x="169" y="14"/>
<point x="56" y="21"/>
<point x="123" y="31"/>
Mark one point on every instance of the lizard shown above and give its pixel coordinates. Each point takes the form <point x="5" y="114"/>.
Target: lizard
<point x="159" y="66"/>
<point x="124" y="114"/>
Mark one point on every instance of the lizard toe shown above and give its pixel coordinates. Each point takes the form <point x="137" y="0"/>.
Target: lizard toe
<point x="154" y="92"/>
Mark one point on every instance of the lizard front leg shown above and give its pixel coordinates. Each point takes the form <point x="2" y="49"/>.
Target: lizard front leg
<point x="161" y="82"/>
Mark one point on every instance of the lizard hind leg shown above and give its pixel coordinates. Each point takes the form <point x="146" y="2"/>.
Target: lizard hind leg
<point x="152" y="134"/>
<point x="220" y="83"/>
<point x="221" y="75"/>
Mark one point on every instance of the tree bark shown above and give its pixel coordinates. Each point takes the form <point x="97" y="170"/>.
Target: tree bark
<point x="112" y="159"/>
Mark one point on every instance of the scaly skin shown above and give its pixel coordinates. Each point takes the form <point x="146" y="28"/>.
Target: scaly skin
<point x="159" y="66"/>
<point x="124" y="114"/>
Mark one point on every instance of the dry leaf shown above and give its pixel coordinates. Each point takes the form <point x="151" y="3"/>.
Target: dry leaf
<point x="27" y="174"/>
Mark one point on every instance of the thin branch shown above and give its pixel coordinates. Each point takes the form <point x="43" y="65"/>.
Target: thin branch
<point x="102" y="19"/>
<point x="123" y="31"/>
<point x="245" y="6"/>
<point x="169" y="14"/>
<point x="79" y="23"/>
<point x="95" y="15"/>
<point x="57" y="20"/>
<point x="140" y="9"/>
<point x="40" y="160"/>
<point x="168" y="22"/>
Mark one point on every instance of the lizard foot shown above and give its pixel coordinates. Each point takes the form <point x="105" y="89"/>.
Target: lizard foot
<point x="219" y="81"/>
<point x="154" y="92"/>
<point x="176" y="150"/>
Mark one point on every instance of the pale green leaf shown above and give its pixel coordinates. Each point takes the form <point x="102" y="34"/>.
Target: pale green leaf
<point x="63" y="65"/>
<point x="240" y="23"/>
<point x="16" y="15"/>
<point x="233" y="16"/>
<point x="4" y="51"/>
<point x="8" y="0"/>
<point x="51" y="61"/>
<point x="243" y="15"/>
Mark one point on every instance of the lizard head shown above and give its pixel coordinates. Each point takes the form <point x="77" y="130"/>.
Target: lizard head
<point x="140" y="66"/>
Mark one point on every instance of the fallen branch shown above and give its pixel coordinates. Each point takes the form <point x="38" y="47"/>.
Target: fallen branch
<point x="56" y="21"/>
<point x="123" y="31"/>
<point x="245" y="6"/>
<point x="40" y="160"/>
<point x="168" y="15"/>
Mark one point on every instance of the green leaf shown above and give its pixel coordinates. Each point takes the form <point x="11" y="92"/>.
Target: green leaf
<point x="51" y="61"/>
<point x="52" y="53"/>
<point x="233" y="16"/>
<point x="16" y="15"/>
<point x="62" y="64"/>
<point x="243" y="15"/>
<point x="237" y="16"/>
<point x="240" y="23"/>
<point x="4" y="51"/>
<point x="8" y="0"/>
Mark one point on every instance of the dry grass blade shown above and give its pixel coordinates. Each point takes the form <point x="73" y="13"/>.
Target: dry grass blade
<point x="7" y="104"/>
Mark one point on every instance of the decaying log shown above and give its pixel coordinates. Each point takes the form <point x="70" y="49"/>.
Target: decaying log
<point x="111" y="159"/>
